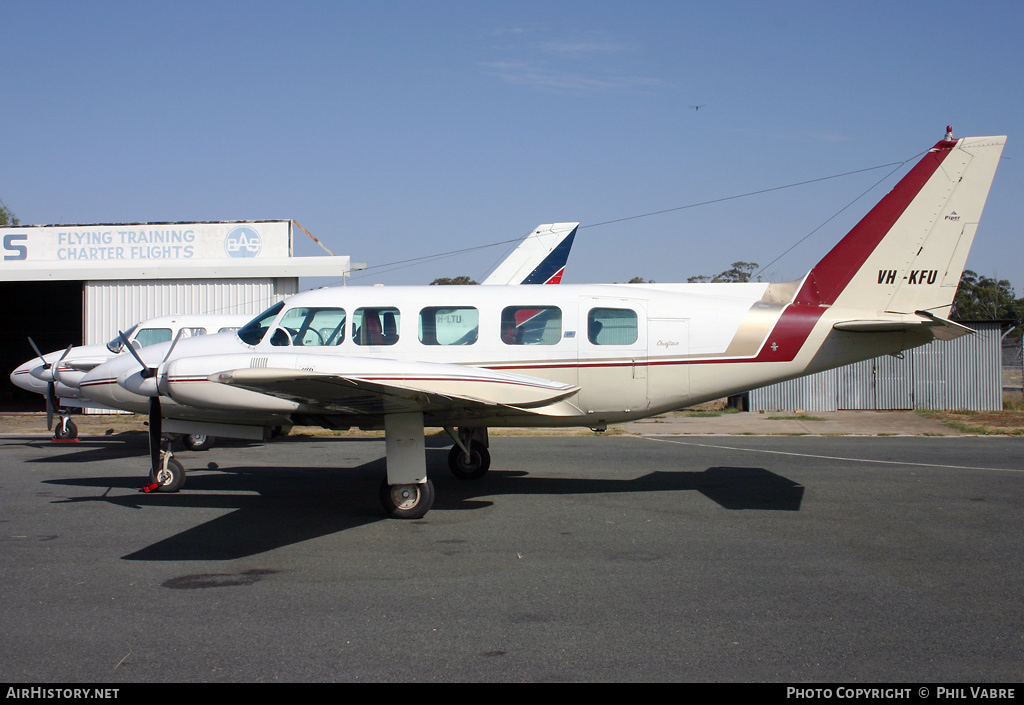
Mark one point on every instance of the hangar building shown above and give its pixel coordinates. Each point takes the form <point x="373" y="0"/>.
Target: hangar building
<point x="80" y="284"/>
<point x="965" y="373"/>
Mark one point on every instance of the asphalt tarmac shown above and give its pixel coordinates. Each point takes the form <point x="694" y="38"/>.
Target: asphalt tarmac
<point x="606" y="558"/>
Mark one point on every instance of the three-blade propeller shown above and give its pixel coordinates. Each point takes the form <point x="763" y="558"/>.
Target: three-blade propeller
<point x="155" y="414"/>
<point x="48" y="374"/>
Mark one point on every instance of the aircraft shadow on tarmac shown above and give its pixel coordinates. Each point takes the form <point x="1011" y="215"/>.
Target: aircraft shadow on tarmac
<point x="280" y="506"/>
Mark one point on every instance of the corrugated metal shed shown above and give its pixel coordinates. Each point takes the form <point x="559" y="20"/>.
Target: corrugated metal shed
<point x="110" y="306"/>
<point x="965" y="373"/>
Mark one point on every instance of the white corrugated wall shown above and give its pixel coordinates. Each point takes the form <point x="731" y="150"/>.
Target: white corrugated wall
<point x="111" y="306"/>
<point x="965" y="373"/>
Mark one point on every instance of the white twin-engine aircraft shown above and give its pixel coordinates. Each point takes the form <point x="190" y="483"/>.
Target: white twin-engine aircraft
<point x="539" y="258"/>
<point x="467" y="358"/>
<point x="56" y="374"/>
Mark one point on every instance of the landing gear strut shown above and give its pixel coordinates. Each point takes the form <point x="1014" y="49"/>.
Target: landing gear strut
<point x="406" y="493"/>
<point x="170" y="476"/>
<point x="469" y="458"/>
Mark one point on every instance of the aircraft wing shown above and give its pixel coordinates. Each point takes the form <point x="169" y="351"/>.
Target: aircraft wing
<point x="394" y="386"/>
<point x="940" y="328"/>
<point x="539" y="259"/>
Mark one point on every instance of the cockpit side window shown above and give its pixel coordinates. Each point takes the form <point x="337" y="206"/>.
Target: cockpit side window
<point x="253" y="331"/>
<point x="152" y="336"/>
<point x="313" y="326"/>
<point x="116" y="344"/>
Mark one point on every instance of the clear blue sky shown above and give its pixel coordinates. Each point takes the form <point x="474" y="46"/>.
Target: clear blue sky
<point x="395" y="130"/>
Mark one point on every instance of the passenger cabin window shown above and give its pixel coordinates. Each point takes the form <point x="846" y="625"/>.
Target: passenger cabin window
<point x="307" y="326"/>
<point x="447" y="325"/>
<point x="531" y="325"/>
<point x="152" y="336"/>
<point x="253" y="331"/>
<point x="375" y="326"/>
<point x="612" y="326"/>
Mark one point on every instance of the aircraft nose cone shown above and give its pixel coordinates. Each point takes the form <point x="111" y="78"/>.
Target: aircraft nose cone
<point x="23" y="378"/>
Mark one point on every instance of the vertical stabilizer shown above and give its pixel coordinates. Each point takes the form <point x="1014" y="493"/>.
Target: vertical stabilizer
<point x="908" y="252"/>
<point x="539" y="259"/>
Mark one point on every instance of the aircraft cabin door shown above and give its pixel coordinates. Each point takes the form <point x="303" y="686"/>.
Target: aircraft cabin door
<point x="612" y="355"/>
<point x="668" y="374"/>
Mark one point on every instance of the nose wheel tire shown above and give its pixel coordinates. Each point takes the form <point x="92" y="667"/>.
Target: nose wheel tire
<point x="65" y="430"/>
<point x="475" y="466"/>
<point x="407" y="501"/>
<point x="170" y="478"/>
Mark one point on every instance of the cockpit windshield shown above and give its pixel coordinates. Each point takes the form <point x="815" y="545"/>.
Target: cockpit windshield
<point x="116" y="344"/>
<point x="253" y="331"/>
<point x="151" y="336"/>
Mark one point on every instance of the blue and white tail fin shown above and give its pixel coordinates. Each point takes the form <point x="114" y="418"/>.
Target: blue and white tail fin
<point x="539" y="259"/>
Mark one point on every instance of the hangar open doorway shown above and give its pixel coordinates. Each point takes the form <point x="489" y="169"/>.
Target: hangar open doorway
<point x="81" y="284"/>
<point x="51" y="313"/>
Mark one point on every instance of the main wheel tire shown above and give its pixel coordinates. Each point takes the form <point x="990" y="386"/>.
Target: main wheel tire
<point x="407" y="501"/>
<point x="197" y="441"/>
<point x="477" y="466"/>
<point x="65" y="430"/>
<point x="171" y="478"/>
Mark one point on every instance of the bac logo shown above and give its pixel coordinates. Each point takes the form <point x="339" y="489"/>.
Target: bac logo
<point x="243" y="241"/>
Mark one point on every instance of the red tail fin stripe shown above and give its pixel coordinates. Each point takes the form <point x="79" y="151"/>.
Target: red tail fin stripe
<point x="833" y="273"/>
<point x="556" y="278"/>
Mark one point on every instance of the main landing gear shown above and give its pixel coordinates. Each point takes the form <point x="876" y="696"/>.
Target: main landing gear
<point x="406" y="492"/>
<point x="411" y="501"/>
<point x="469" y="458"/>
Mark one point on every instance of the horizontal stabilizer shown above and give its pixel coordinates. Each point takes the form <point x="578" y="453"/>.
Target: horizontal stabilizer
<point x="940" y="328"/>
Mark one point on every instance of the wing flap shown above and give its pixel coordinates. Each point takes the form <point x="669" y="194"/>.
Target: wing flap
<point x="427" y="387"/>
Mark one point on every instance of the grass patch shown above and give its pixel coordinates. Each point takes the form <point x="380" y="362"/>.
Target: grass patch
<point x="706" y="413"/>
<point x="1008" y="422"/>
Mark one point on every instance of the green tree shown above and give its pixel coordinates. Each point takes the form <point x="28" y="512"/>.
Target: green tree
<point x="981" y="298"/>
<point x="7" y="218"/>
<point x="446" y="281"/>
<point x="640" y="280"/>
<point x="739" y="272"/>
